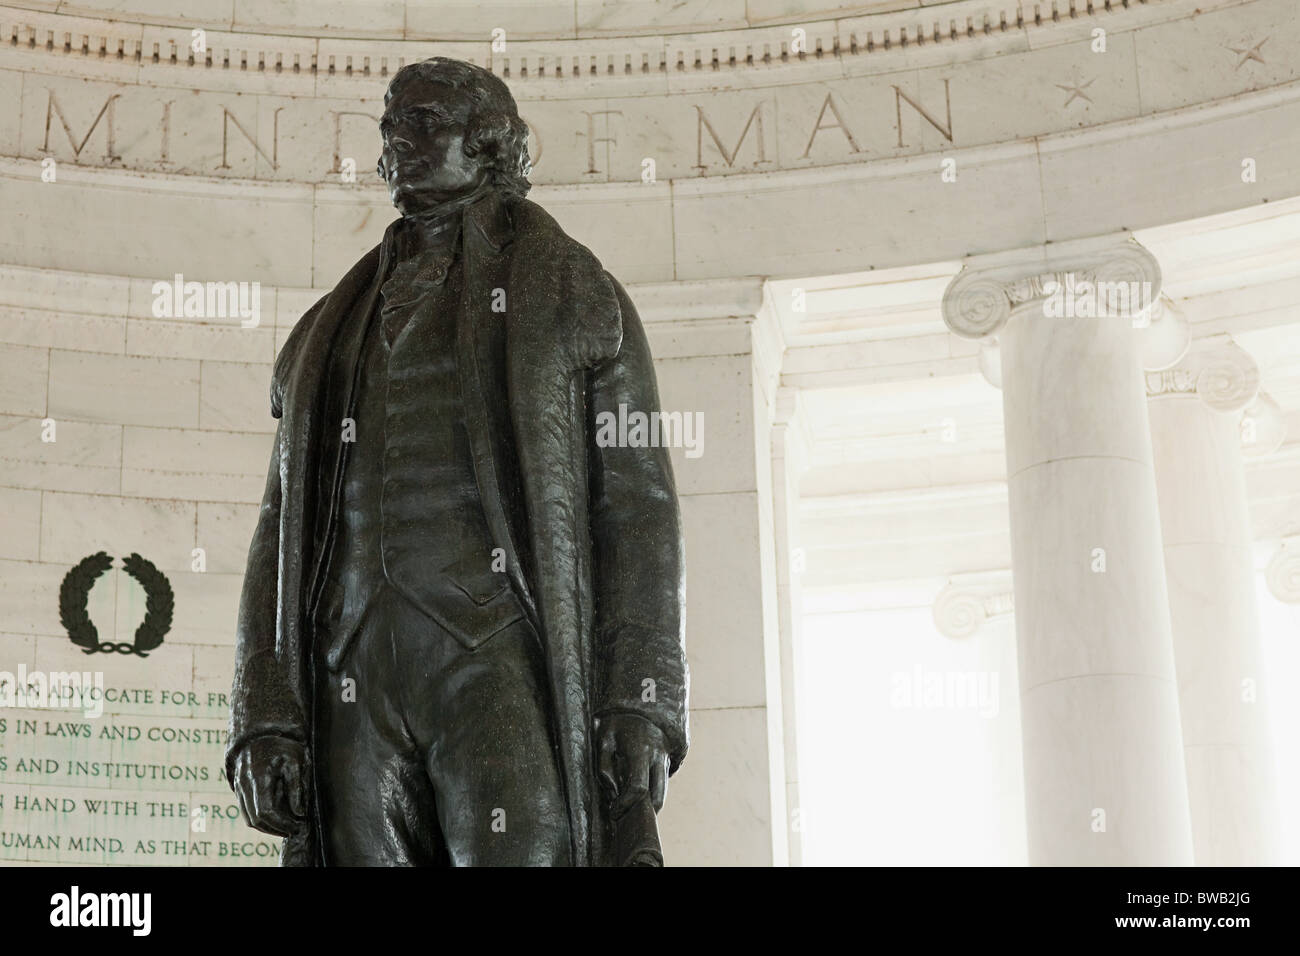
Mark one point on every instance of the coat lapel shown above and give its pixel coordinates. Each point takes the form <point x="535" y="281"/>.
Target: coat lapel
<point x="562" y="318"/>
<point x="480" y="350"/>
<point x="339" y="402"/>
<point x="310" y="456"/>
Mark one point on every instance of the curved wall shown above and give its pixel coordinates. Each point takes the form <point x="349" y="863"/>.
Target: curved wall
<point x="668" y="157"/>
<point x="775" y="153"/>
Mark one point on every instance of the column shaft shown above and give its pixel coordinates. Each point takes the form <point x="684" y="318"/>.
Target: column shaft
<point x="1103" y="752"/>
<point x="1104" y="777"/>
<point x="1208" y="557"/>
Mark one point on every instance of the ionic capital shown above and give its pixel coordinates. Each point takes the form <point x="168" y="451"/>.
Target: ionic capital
<point x="1219" y="372"/>
<point x="1076" y="279"/>
<point x="967" y="601"/>
<point x="1263" y="426"/>
<point x="1166" y="337"/>
<point x="1283" y="572"/>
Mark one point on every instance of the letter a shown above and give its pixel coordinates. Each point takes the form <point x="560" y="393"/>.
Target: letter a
<point x="59" y="914"/>
<point x="606" y="430"/>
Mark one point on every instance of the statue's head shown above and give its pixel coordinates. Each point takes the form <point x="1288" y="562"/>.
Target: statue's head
<point x="448" y="127"/>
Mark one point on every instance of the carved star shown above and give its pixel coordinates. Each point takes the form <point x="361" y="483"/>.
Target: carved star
<point x="1076" y="91"/>
<point x="1248" y="54"/>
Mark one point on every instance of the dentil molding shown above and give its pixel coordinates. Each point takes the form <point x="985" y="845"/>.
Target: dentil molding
<point x="610" y="45"/>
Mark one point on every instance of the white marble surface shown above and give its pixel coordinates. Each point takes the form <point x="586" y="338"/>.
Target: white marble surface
<point x="1097" y="743"/>
<point x="1104" y="776"/>
<point x="163" y="429"/>
<point x="1223" y="686"/>
<point x="213" y="189"/>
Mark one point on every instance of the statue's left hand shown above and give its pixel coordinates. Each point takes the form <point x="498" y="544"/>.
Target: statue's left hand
<point x="270" y="782"/>
<point x="633" y="760"/>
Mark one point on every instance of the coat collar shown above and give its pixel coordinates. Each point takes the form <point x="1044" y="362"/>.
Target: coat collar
<point x="486" y="216"/>
<point x="491" y="218"/>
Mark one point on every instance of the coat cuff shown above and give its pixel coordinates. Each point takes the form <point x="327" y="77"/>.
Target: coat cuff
<point x="646" y="675"/>
<point x="263" y="705"/>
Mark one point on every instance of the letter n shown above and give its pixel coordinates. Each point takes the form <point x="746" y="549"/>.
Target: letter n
<point x="900" y="98"/>
<point x="227" y="118"/>
<point x="338" y="135"/>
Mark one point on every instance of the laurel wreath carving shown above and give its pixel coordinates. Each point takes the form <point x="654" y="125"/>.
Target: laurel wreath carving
<point x="160" y="602"/>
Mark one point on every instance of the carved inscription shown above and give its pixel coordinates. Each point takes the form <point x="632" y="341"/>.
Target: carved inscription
<point x="318" y="140"/>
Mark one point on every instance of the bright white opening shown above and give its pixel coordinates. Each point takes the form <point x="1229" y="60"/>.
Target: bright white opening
<point x="909" y="740"/>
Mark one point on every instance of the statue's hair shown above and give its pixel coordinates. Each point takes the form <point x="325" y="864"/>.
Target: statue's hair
<point x="494" y="128"/>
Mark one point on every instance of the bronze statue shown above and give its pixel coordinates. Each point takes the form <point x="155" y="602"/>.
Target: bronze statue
<point x="460" y="638"/>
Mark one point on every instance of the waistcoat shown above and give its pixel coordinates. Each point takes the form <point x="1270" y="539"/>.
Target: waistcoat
<point x="410" y="512"/>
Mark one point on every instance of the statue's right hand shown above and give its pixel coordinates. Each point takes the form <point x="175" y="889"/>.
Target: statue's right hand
<point x="270" y="781"/>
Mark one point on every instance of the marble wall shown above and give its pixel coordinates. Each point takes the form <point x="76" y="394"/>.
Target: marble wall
<point x="160" y="433"/>
<point x="125" y="434"/>
<point x="125" y="161"/>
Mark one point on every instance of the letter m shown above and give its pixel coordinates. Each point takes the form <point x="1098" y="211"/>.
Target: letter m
<point x="222" y="299"/>
<point x="115" y="909"/>
<point x="106" y="110"/>
<point x="1116" y="300"/>
<point x="728" y="155"/>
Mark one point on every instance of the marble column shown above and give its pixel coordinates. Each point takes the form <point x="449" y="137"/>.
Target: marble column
<point x="980" y="608"/>
<point x="1103" y="752"/>
<point x="1198" y="428"/>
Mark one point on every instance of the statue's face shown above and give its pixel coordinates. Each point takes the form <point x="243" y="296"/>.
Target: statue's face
<point x="423" y="158"/>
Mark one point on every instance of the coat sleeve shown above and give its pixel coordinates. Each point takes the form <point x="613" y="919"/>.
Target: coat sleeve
<point x="262" y="701"/>
<point x="638" y="565"/>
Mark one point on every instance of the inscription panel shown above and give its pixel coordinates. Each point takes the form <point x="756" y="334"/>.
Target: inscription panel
<point x="654" y="119"/>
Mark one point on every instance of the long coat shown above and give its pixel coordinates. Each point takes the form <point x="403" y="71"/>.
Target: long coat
<point x="592" y="535"/>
